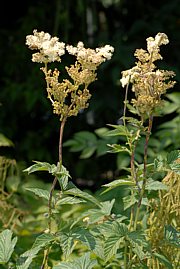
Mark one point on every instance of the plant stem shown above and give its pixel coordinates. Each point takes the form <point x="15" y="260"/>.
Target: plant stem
<point x="125" y="255"/>
<point x="46" y="252"/>
<point x="144" y="170"/>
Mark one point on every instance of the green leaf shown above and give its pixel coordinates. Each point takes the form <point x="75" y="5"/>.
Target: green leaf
<point x="172" y="236"/>
<point x="138" y="242"/>
<point x="38" y="166"/>
<point x="83" y="262"/>
<point x="132" y="109"/>
<point x="119" y="130"/>
<point x="67" y="243"/>
<point x="5" y="142"/>
<point x="173" y="156"/>
<point x="115" y="148"/>
<point x="27" y="257"/>
<point x="117" y="183"/>
<point x="82" y="194"/>
<point x="40" y="193"/>
<point x="63" y="177"/>
<point x="83" y="235"/>
<point x="102" y="132"/>
<point x="69" y="200"/>
<point x="106" y="207"/>
<point x="88" y="152"/>
<point x="7" y="245"/>
<point x="129" y="200"/>
<point x="83" y="141"/>
<point x="43" y="240"/>
<point x="114" y="233"/>
<point x="156" y="185"/>
<point x="163" y="260"/>
<point x="112" y="244"/>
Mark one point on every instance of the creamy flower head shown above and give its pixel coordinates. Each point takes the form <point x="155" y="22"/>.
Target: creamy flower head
<point x="50" y="49"/>
<point x="90" y="57"/>
<point x="155" y="43"/>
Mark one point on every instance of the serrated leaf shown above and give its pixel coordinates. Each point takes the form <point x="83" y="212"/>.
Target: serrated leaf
<point x="40" y="193"/>
<point x="163" y="260"/>
<point x="172" y="236"/>
<point x="156" y="185"/>
<point x="138" y="241"/>
<point x="129" y="200"/>
<point x="43" y="240"/>
<point x="82" y="194"/>
<point x="63" y="177"/>
<point x="83" y="262"/>
<point x="115" y="148"/>
<point x="69" y="200"/>
<point x="67" y="243"/>
<point x="111" y="245"/>
<point x="117" y="183"/>
<point x="114" y="233"/>
<point x="118" y="130"/>
<point x="173" y="156"/>
<point x="38" y="166"/>
<point x="106" y="207"/>
<point x="132" y="109"/>
<point x="83" y="235"/>
<point x="7" y="245"/>
<point x="27" y="257"/>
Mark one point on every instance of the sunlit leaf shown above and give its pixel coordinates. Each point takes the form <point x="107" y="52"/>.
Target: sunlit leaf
<point x="117" y="183"/>
<point x="40" y="193"/>
<point x="63" y="177"/>
<point x="67" y="243"/>
<point x="38" y="166"/>
<point x="43" y="240"/>
<point x="156" y="185"/>
<point x="83" y="262"/>
<point x="69" y="200"/>
<point x="82" y="194"/>
<point x="7" y="245"/>
<point x="27" y="257"/>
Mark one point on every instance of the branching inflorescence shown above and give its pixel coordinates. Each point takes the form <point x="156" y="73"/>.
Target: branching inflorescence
<point x="149" y="83"/>
<point x="69" y="96"/>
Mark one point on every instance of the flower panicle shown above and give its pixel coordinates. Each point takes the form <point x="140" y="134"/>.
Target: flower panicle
<point x="69" y="96"/>
<point x="148" y="82"/>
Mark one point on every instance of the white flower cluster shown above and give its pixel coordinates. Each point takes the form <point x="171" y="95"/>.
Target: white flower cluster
<point x="129" y="75"/>
<point x="154" y="43"/>
<point x="50" y="49"/>
<point x="91" y="56"/>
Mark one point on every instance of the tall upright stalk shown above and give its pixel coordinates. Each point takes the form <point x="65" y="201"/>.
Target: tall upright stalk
<point x="46" y="252"/>
<point x="144" y="170"/>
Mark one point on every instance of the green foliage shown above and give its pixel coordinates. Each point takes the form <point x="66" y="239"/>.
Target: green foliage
<point x="7" y="245"/>
<point x="83" y="262"/>
<point x="172" y="236"/>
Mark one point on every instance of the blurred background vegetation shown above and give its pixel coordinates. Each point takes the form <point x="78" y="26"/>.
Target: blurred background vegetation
<point x="26" y="115"/>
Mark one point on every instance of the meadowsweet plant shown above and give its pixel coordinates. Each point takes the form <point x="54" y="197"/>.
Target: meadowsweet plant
<point x="143" y="235"/>
<point x="67" y="96"/>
